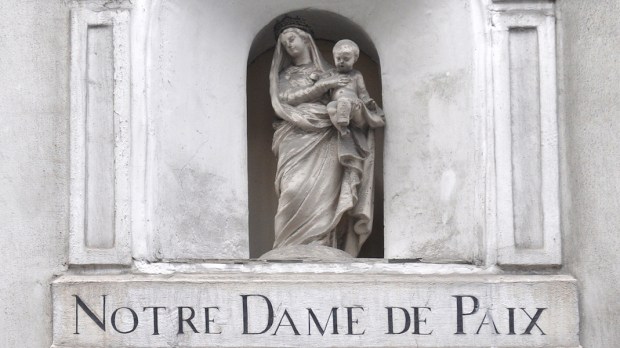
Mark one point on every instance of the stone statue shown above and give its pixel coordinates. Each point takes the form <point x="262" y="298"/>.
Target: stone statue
<point x="324" y="177"/>
<point x="352" y="101"/>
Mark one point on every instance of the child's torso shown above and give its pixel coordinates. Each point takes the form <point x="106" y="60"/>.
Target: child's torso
<point x="347" y="91"/>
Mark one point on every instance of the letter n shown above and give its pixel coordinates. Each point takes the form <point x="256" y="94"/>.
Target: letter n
<point x="79" y="303"/>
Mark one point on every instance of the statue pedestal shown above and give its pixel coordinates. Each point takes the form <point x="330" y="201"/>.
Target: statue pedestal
<point x="261" y="304"/>
<point x="308" y="252"/>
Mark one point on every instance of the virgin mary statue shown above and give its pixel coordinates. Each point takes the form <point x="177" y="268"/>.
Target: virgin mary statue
<point x="324" y="180"/>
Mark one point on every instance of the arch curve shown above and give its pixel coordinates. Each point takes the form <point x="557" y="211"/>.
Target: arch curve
<point x="327" y="25"/>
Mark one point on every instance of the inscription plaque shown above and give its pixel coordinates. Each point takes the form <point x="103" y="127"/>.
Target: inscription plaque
<point x="322" y="310"/>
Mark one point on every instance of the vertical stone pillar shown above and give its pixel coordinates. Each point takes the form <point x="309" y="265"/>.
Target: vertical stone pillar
<point x="526" y="132"/>
<point x="100" y="133"/>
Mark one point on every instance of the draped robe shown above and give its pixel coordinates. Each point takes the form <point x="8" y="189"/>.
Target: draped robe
<point x="324" y="180"/>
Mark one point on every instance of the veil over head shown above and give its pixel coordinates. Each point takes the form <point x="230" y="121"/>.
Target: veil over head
<point x="299" y="116"/>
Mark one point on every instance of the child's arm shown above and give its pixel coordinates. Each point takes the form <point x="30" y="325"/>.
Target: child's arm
<point x="362" y="92"/>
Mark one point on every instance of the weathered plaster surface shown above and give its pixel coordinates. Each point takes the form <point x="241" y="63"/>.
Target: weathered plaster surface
<point x="33" y="165"/>
<point x="196" y="110"/>
<point x="590" y="124"/>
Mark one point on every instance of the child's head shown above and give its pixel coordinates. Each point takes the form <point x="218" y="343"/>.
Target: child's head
<point x="346" y="53"/>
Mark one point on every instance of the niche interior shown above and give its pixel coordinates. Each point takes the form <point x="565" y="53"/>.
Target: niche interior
<point x="329" y="28"/>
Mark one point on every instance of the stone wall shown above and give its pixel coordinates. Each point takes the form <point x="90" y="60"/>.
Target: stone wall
<point x="589" y="72"/>
<point x="34" y="159"/>
<point x="427" y="76"/>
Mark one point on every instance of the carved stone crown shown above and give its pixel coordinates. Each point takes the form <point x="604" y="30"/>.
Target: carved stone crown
<point x="291" y="22"/>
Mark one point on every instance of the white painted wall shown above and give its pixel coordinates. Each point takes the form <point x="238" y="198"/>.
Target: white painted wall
<point x="590" y="125"/>
<point x="34" y="120"/>
<point x="197" y="100"/>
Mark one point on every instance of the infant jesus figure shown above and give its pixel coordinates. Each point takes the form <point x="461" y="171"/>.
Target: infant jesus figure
<point x="350" y="103"/>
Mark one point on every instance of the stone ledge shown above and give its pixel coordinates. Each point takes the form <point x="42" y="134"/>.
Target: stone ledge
<point x="315" y="310"/>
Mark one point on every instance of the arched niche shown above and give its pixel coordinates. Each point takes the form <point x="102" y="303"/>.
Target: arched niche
<point x="437" y="147"/>
<point x="329" y="27"/>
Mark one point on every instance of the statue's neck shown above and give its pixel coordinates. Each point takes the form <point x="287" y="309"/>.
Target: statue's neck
<point x="302" y="59"/>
